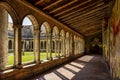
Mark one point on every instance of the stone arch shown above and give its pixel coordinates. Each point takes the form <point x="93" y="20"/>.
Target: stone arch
<point x="30" y="32"/>
<point x="33" y="20"/>
<point x="67" y="35"/>
<point x="56" y="30"/>
<point x="62" y="33"/>
<point x="47" y="27"/>
<point x="11" y="11"/>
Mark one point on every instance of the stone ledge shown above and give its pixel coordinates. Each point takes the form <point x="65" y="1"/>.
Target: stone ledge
<point x="33" y="69"/>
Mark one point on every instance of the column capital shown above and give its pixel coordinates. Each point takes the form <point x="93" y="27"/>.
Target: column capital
<point x="17" y="26"/>
<point x="37" y="30"/>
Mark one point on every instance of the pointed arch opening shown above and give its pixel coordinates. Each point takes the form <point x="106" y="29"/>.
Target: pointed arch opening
<point x="44" y="43"/>
<point x="29" y="28"/>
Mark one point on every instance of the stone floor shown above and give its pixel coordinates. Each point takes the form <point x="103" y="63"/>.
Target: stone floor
<point x="89" y="67"/>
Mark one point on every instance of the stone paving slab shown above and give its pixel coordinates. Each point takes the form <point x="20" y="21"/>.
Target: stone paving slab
<point x="88" y="67"/>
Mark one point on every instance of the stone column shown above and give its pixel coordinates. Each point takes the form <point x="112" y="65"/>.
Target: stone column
<point x="58" y="49"/>
<point x="3" y="38"/>
<point x="61" y="50"/>
<point x="73" y="45"/>
<point x="64" y="46"/>
<point x="30" y="45"/>
<point x="18" y="46"/>
<point x="37" y="45"/>
<point x="47" y="45"/>
<point x="56" y="46"/>
<point x="68" y="46"/>
<point x="50" y="46"/>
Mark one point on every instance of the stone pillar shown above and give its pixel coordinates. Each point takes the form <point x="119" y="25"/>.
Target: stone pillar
<point x="37" y="45"/>
<point x="3" y="38"/>
<point x="61" y="46"/>
<point x="68" y="46"/>
<point x="47" y="45"/>
<point x="73" y="45"/>
<point x="30" y="45"/>
<point x="64" y="46"/>
<point x="18" y="46"/>
<point x="50" y="46"/>
<point x="58" y="40"/>
<point x="56" y="46"/>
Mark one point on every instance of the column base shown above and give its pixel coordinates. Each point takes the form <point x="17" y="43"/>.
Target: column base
<point x="47" y="58"/>
<point x="2" y="68"/>
<point x="19" y="66"/>
<point x="59" y="57"/>
<point x="38" y="62"/>
<point x="50" y="58"/>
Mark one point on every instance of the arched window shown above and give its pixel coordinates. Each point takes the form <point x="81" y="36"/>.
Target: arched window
<point x="29" y="25"/>
<point x="45" y="30"/>
<point x="10" y="38"/>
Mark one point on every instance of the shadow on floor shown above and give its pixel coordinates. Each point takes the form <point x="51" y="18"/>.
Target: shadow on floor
<point x="89" y="67"/>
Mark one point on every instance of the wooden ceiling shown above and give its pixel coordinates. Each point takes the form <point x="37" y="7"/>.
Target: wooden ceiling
<point x="83" y="16"/>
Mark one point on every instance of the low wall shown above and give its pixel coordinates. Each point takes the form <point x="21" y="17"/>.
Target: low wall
<point x="33" y="69"/>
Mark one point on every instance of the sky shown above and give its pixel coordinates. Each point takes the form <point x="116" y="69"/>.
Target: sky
<point x="26" y="20"/>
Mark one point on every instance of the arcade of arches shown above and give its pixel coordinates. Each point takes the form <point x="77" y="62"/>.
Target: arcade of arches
<point x="46" y="34"/>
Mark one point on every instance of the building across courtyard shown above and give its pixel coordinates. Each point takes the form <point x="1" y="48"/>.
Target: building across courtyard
<point x="28" y="39"/>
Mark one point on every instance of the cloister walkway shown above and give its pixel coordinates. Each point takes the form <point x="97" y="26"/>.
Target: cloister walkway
<point x="88" y="67"/>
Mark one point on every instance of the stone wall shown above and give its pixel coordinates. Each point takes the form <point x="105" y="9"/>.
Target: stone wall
<point x="111" y="40"/>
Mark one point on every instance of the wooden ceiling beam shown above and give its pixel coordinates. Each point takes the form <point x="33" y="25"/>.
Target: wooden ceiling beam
<point x="39" y="2"/>
<point x="90" y="12"/>
<point x="61" y="7"/>
<point x="83" y="3"/>
<point x="81" y="28"/>
<point x="87" y="18"/>
<point x="86" y="22"/>
<point x="84" y="12"/>
<point x="52" y="4"/>
<point x="73" y="12"/>
<point x="89" y="34"/>
<point x="87" y="25"/>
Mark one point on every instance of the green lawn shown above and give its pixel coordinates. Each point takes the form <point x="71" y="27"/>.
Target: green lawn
<point x="29" y="56"/>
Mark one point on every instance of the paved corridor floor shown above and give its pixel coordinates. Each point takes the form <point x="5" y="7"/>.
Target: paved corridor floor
<point x="89" y="67"/>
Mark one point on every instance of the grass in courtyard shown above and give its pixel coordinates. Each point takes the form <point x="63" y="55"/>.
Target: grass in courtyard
<point x="28" y="56"/>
